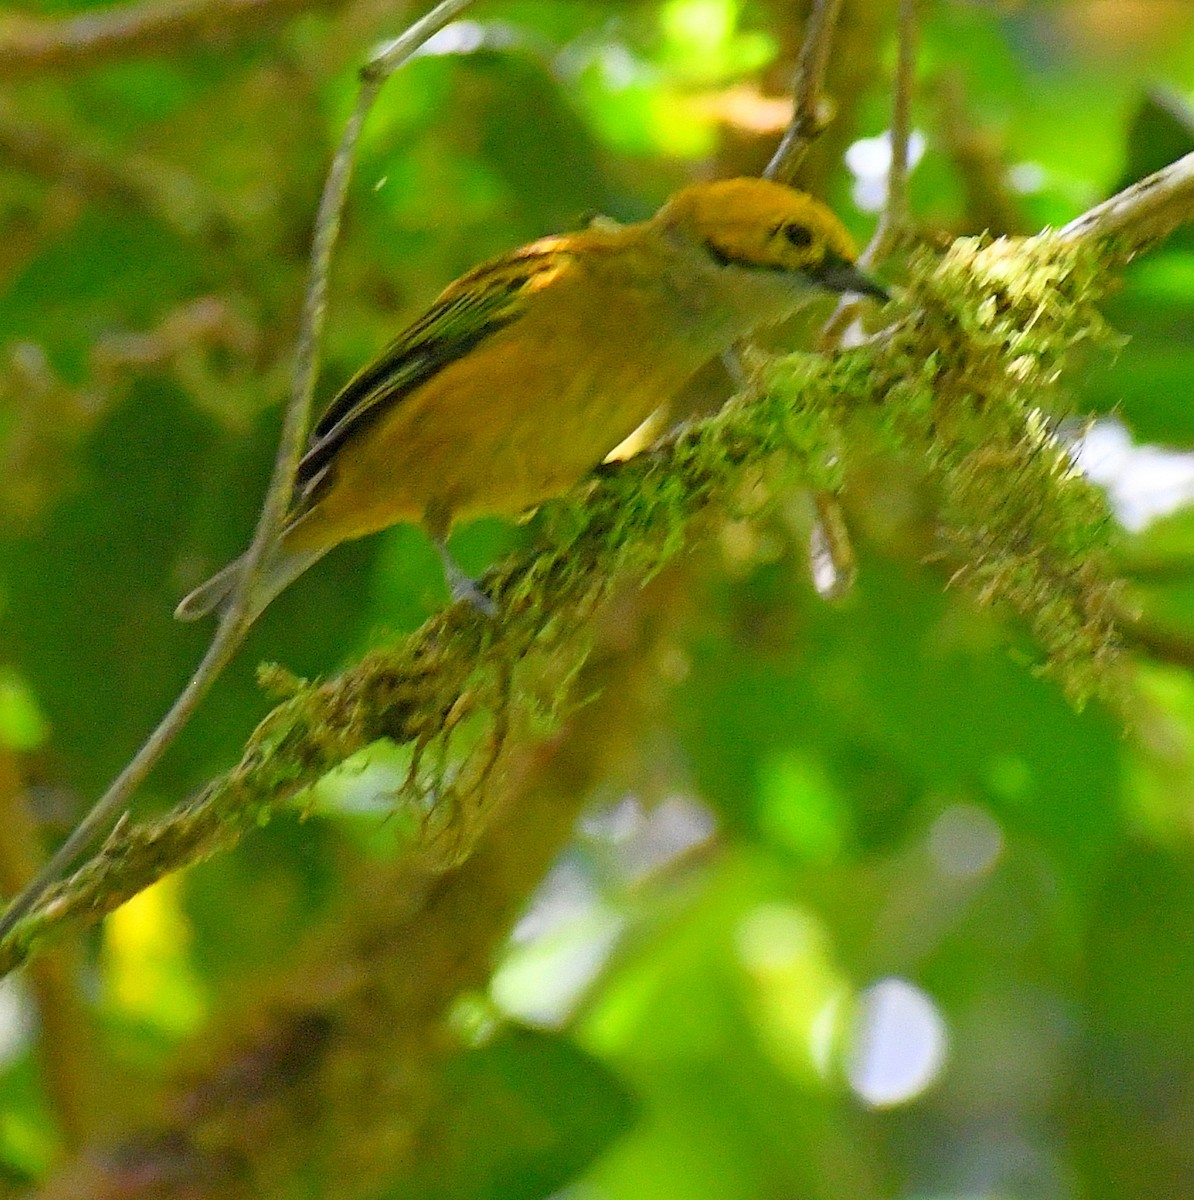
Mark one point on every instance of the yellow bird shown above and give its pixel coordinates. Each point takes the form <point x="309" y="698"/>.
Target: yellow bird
<point x="531" y="368"/>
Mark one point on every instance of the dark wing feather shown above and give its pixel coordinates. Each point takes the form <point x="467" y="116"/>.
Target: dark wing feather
<point x="472" y="309"/>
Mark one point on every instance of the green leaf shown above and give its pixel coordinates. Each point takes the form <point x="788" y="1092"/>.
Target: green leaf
<point x="520" y="1117"/>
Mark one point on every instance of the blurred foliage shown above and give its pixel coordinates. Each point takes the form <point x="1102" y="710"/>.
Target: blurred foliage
<point x="827" y="799"/>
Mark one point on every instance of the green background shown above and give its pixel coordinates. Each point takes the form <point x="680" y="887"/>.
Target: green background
<point x="828" y="795"/>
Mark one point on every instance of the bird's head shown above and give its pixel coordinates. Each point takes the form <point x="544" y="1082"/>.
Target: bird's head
<point x="765" y="228"/>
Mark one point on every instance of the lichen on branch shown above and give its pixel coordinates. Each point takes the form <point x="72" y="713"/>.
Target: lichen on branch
<point x="967" y="382"/>
<point x="959" y="381"/>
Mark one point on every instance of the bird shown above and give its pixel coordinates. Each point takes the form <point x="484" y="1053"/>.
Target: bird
<point x="529" y="369"/>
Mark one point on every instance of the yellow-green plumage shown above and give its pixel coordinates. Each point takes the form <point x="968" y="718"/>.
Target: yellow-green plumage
<point x="528" y="370"/>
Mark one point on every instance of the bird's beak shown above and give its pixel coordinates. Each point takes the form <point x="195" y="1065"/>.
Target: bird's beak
<point x="838" y="275"/>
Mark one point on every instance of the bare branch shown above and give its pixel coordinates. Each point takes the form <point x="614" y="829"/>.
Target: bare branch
<point x="37" y="45"/>
<point x="895" y="210"/>
<point x="1162" y="642"/>
<point x="236" y="619"/>
<point x="978" y="155"/>
<point x="808" y="119"/>
<point x="834" y="566"/>
<point x="830" y="553"/>
<point x="158" y="188"/>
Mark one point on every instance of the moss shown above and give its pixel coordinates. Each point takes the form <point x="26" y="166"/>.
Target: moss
<point x="979" y="341"/>
<point x="1003" y="320"/>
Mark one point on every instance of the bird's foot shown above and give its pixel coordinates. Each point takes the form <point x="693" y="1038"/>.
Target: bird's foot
<point x="470" y="592"/>
<point x="462" y="585"/>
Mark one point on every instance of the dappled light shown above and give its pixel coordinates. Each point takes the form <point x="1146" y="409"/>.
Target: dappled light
<point x="900" y="1044"/>
<point x="700" y="703"/>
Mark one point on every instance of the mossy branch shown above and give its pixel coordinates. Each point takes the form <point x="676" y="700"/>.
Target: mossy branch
<point x="980" y="338"/>
<point x="236" y="616"/>
<point x="356" y="1028"/>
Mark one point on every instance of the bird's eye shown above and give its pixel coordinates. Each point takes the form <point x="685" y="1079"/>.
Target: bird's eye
<point x="798" y="236"/>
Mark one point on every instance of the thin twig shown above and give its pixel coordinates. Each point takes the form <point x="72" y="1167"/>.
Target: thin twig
<point x="830" y="552"/>
<point x="808" y="119"/>
<point x="35" y="45"/>
<point x="834" y="565"/>
<point x="1162" y="644"/>
<point x="978" y="156"/>
<point x="833" y="557"/>
<point x="236" y="619"/>
<point x="895" y="208"/>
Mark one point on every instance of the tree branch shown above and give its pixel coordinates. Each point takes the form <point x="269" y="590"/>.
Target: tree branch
<point x="157" y="188"/>
<point x="1134" y="219"/>
<point x="37" y="45"/>
<point x="359" y="1028"/>
<point x="830" y="550"/>
<point x="626" y="520"/>
<point x="831" y="555"/>
<point x="459" y="665"/>
<point x="808" y="118"/>
<point x="236" y="618"/>
<point x="977" y="154"/>
<point x="895" y="208"/>
<point x="1159" y="642"/>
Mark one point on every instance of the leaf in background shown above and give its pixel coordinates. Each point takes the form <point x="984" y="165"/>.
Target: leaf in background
<point x="1137" y="1079"/>
<point x="900" y="695"/>
<point x="1161" y="132"/>
<point x="90" y="596"/>
<point x="519" y="1119"/>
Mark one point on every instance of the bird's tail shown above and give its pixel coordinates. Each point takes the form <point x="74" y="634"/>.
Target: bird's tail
<point x="280" y="568"/>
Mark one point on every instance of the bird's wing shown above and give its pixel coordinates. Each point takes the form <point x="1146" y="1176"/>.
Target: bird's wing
<point x="470" y="310"/>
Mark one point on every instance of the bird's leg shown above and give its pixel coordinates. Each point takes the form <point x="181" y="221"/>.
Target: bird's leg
<point x="461" y="584"/>
<point x="731" y="359"/>
<point x="438" y="521"/>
